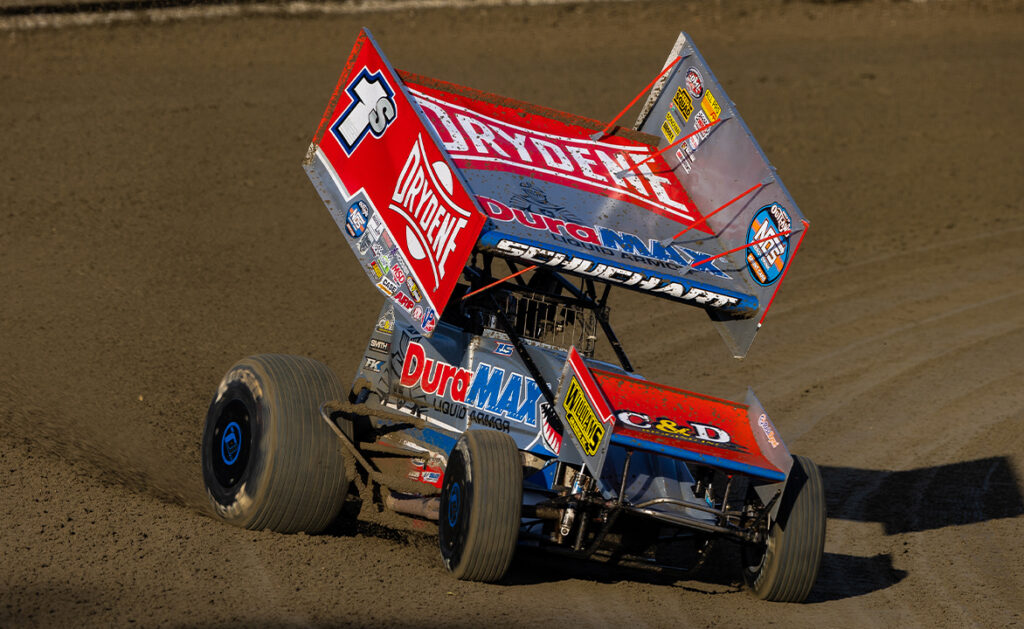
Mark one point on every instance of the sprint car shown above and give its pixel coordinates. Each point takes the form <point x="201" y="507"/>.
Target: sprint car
<point x="494" y="230"/>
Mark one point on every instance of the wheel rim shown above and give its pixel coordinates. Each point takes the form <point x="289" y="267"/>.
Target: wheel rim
<point x="455" y="497"/>
<point x="231" y="444"/>
<point x="454" y="503"/>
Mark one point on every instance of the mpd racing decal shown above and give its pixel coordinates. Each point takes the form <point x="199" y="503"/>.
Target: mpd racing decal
<point x="479" y="141"/>
<point x="766" y="260"/>
<point x="628" y="277"/>
<point x="488" y="388"/>
<point x="695" y="432"/>
<point x="371" y="110"/>
<point x="601" y="240"/>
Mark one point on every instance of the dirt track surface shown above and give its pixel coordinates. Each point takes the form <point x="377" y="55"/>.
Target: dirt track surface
<point x="155" y="226"/>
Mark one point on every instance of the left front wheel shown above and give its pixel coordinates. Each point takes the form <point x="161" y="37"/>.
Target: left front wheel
<point x="270" y="461"/>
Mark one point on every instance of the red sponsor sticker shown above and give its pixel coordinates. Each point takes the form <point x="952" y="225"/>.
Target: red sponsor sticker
<point x="373" y="141"/>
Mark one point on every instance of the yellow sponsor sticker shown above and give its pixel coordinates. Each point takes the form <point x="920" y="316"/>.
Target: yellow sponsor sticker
<point x="583" y="420"/>
<point x="670" y="128"/>
<point x="710" y="106"/>
<point x="683" y="103"/>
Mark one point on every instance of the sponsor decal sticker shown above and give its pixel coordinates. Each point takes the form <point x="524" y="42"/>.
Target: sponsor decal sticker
<point x="700" y="120"/>
<point x="417" y="313"/>
<point x="683" y="103"/>
<point x="767" y="260"/>
<point x="610" y="273"/>
<point x="710" y="106"/>
<point x="476" y="140"/>
<point x="429" y="321"/>
<point x="486" y="388"/>
<point x="706" y="434"/>
<point x="504" y="349"/>
<point x="670" y="128"/>
<point x="769" y="430"/>
<point x="386" y="323"/>
<point x="388" y="286"/>
<point x="355" y="222"/>
<point x="371" y="110"/>
<point x="414" y="290"/>
<point x="377" y="149"/>
<point x="398" y="273"/>
<point x="375" y="227"/>
<point x="404" y="301"/>
<point x="433" y="220"/>
<point x="378" y="345"/>
<point x="489" y="421"/>
<point x="583" y="421"/>
<point x="601" y="240"/>
<point x="694" y="83"/>
<point x="552" y="438"/>
<point x="377" y="271"/>
<point x="372" y="364"/>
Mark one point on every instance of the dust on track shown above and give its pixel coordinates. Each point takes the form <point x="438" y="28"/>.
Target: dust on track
<point x="156" y="226"/>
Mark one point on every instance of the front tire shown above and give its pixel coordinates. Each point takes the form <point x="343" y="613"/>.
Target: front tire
<point x="785" y="567"/>
<point x="481" y="498"/>
<point x="270" y="461"/>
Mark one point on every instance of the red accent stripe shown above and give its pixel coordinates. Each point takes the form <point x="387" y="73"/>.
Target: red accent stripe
<point x="678" y="142"/>
<point x="644" y="91"/>
<point x="727" y="204"/>
<point x="590" y="386"/>
<point x="495" y="283"/>
<point x="749" y="244"/>
<point x="796" y="248"/>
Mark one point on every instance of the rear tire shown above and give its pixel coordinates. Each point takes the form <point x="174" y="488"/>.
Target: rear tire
<point x="480" y="503"/>
<point x="270" y="461"/>
<point x="785" y="567"/>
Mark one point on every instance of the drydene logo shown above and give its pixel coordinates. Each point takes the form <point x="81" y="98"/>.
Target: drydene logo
<point x="488" y="388"/>
<point x="583" y="420"/>
<point x="371" y="110"/>
<point x="423" y="198"/>
<point x="605" y="168"/>
<point x="766" y="260"/>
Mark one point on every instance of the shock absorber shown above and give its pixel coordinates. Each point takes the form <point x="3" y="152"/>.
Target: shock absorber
<point x="579" y="483"/>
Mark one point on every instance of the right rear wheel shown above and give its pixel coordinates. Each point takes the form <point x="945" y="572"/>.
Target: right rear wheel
<point x="785" y="567"/>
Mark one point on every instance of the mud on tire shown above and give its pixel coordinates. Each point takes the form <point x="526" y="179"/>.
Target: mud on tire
<point x="785" y="567"/>
<point x="480" y="504"/>
<point x="269" y="459"/>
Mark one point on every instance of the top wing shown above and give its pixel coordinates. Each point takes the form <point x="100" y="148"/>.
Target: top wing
<point x="403" y="207"/>
<point x="687" y="208"/>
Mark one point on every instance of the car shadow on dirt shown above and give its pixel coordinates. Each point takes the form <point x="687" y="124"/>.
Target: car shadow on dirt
<point x="842" y="576"/>
<point x="926" y="498"/>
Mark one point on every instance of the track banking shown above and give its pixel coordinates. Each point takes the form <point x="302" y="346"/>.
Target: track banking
<point x="602" y="240"/>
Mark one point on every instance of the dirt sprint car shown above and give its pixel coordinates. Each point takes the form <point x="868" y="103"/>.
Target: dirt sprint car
<point x="495" y="230"/>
